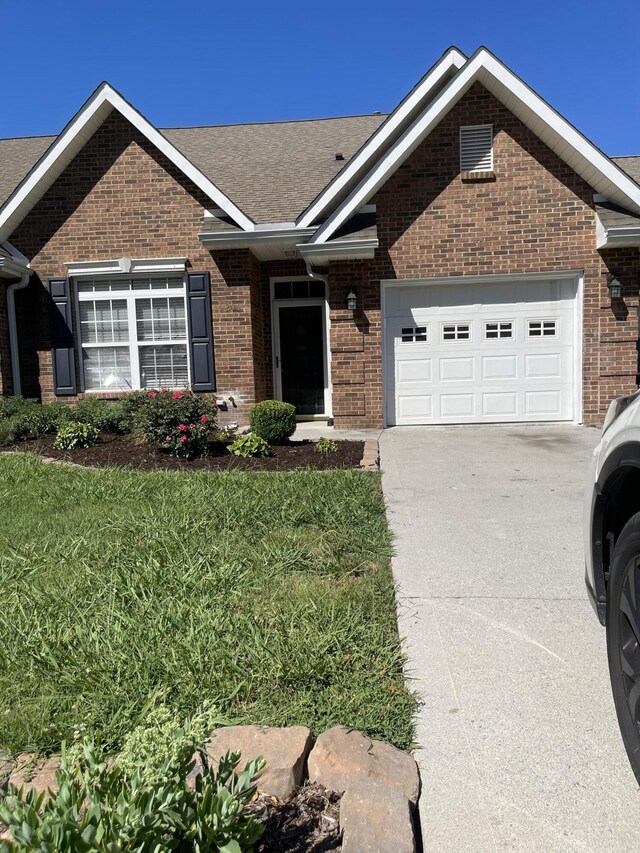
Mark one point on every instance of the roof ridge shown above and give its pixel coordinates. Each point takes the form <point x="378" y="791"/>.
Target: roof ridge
<point x="30" y="136"/>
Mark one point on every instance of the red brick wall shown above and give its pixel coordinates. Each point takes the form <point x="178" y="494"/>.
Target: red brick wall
<point x="121" y="198"/>
<point x="534" y="215"/>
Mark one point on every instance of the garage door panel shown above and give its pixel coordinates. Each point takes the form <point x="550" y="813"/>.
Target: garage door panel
<point x="514" y="363"/>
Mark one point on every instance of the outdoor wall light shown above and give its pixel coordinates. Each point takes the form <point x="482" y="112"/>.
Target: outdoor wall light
<point x="615" y="288"/>
<point x="352" y="300"/>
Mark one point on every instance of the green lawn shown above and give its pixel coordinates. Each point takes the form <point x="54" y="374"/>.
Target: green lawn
<point x="269" y="594"/>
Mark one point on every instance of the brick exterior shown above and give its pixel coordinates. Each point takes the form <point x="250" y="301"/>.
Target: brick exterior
<point x="120" y="197"/>
<point x="534" y="214"/>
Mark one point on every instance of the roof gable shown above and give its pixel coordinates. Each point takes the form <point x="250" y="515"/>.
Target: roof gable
<point x="73" y="138"/>
<point x="568" y="143"/>
<point x="433" y="81"/>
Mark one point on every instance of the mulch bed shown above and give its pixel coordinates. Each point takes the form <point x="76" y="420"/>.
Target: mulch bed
<point x="308" y="822"/>
<point x="123" y="450"/>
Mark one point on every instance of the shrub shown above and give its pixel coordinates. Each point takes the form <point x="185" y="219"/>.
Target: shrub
<point x="7" y="432"/>
<point x="326" y="445"/>
<point x="10" y="406"/>
<point x="249" y="445"/>
<point x="190" y="440"/>
<point x="99" y="413"/>
<point x="101" y="807"/>
<point x="163" y="412"/>
<point x="33" y="420"/>
<point x="273" y="421"/>
<point x="75" y="434"/>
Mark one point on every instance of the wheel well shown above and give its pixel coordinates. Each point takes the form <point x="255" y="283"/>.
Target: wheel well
<point x="620" y="501"/>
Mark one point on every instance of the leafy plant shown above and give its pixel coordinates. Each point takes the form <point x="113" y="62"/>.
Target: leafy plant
<point x="249" y="445"/>
<point x="75" y="434"/>
<point x="7" y="432"/>
<point x="326" y="445"/>
<point x="99" y="413"/>
<point x="30" y="419"/>
<point x="100" y="807"/>
<point x="162" y="417"/>
<point x="10" y="406"/>
<point x="272" y="420"/>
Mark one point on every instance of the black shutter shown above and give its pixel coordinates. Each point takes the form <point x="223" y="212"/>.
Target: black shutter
<point x="200" y="331"/>
<point x="62" y="346"/>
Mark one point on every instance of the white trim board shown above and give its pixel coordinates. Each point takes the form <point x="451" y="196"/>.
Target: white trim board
<point x="125" y="266"/>
<point x="568" y="143"/>
<point x="71" y="141"/>
<point x="448" y="64"/>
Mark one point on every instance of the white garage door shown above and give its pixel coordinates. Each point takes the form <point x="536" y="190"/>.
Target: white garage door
<point x="480" y="352"/>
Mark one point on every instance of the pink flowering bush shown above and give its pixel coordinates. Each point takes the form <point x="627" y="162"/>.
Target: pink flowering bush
<point x="179" y="421"/>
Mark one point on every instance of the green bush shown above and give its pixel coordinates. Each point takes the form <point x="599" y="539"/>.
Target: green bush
<point x="326" y="445"/>
<point x="33" y="420"/>
<point x="7" y="432"/>
<point x="100" y="807"/>
<point x="249" y="445"/>
<point x="10" y="406"/>
<point x="75" y="434"/>
<point x="99" y="413"/>
<point x="164" y="412"/>
<point x="272" y="420"/>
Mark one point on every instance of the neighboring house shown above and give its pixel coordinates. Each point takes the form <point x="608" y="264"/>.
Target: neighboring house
<point x="477" y="232"/>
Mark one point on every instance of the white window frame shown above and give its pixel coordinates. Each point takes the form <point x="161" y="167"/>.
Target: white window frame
<point x="542" y="321"/>
<point x="456" y="339"/>
<point x="414" y="331"/>
<point x="133" y="344"/>
<point x="499" y="323"/>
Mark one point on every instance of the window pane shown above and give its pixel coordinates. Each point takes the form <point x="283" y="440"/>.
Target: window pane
<point x="104" y="321"/>
<point x="316" y="288"/>
<point x="161" y="319"/>
<point x="282" y="289"/>
<point x="163" y="367"/>
<point x="106" y="369"/>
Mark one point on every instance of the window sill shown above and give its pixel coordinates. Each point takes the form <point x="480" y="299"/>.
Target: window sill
<point x="477" y="177"/>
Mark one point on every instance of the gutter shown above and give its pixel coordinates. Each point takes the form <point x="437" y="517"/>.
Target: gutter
<point x="14" y="268"/>
<point x="250" y="239"/>
<point x="620" y="236"/>
<point x="322" y="253"/>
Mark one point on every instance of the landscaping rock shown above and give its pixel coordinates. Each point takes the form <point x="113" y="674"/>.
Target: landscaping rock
<point x="376" y="818"/>
<point x="370" y="455"/>
<point x="39" y="774"/>
<point x="341" y="757"/>
<point x="6" y="767"/>
<point x="284" y="749"/>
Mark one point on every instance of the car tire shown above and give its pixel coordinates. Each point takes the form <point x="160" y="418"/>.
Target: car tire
<point x="623" y="636"/>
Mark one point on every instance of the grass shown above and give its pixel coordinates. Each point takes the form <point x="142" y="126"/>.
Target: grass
<point x="269" y="594"/>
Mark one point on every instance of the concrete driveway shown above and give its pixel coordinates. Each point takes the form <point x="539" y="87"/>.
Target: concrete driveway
<point x="520" y="745"/>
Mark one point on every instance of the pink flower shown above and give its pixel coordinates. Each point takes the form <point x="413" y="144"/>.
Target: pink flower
<point x="176" y="396"/>
<point x="167" y="438"/>
<point x="183" y="427"/>
<point x="183" y="438"/>
<point x="191" y="426"/>
<point x="152" y="394"/>
<point x="204" y="419"/>
<point x="164" y="390"/>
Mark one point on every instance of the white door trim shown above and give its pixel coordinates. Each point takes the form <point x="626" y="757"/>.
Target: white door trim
<point x="576" y="274"/>
<point x="275" y="337"/>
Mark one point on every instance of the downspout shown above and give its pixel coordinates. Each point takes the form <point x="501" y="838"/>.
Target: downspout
<point x="13" y="330"/>
<point x="325" y="278"/>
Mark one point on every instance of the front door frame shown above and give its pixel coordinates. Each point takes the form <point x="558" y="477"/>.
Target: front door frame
<point x="275" y="340"/>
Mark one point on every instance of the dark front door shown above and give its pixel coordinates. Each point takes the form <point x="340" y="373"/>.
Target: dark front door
<point x="302" y="358"/>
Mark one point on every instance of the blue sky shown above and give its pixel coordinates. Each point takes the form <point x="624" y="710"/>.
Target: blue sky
<point x="191" y="62"/>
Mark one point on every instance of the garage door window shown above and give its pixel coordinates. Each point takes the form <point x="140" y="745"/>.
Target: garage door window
<point x="414" y="334"/>
<point x="498" y="330"/>
<point x="456" y="332"/>
<point x="542" y="328"/>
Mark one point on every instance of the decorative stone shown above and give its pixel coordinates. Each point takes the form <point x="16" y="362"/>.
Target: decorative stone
<point x="376" y="818"/>
<point x="284" y="749"/>
<point x="341" y="757"/>
<point x="40" y="775"/>
<point x="370" y="455"/>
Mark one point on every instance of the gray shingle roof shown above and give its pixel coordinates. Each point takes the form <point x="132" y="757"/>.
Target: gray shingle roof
<point x="271" y="171"/>
<point x="630" y="165"/>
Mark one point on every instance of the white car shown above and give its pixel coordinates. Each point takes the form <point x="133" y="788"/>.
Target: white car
<point x="612" y="556"/>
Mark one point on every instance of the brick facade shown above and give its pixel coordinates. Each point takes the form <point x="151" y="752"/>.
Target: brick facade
<point x="121" y="198"/>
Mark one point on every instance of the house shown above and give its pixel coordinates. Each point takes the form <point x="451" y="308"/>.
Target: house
<point x="470" y="257"/>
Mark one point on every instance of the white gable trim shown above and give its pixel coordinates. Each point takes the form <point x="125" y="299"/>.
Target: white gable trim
<point x="71" y="141"/>
<point x="444" y="68"/>
<point x="568" y="143"/>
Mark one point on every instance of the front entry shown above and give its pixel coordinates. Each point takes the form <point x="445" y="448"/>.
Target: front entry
<point x="300" y="361"/>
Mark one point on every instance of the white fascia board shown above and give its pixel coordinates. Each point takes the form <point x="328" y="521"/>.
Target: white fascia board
<point x="612" y="238"/>
<point x="337" y="250"/>
<point x="71" y="141"/>
<point x="127" y="266"/>
<point x="246" y="240"/>
<point x="497" y="78"/>
<point x="12" y="267"/>
<point x="15" y="253"/>
<point x="449" y="63"/>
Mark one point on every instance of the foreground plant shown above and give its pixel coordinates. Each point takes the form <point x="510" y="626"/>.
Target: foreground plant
<point x="102" y="807"/>
<point x="249" y="445"/>
<point x="326" y="445"/>
<point x="75" y="434"/>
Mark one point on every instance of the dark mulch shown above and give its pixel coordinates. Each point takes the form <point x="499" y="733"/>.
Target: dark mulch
<point x="308" y="822"/>
<point x="123" y="450"/>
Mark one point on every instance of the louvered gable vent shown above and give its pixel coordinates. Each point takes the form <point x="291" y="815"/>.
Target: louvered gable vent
<point x="476" y="148"/>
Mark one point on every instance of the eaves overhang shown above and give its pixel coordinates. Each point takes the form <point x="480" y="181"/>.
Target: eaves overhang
<point x="11" y="268"/>
<point x="320" y="254"/>
<point x="266" y="243"/>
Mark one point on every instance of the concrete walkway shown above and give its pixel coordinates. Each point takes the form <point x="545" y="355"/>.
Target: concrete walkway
<point x="520" y="745"/>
